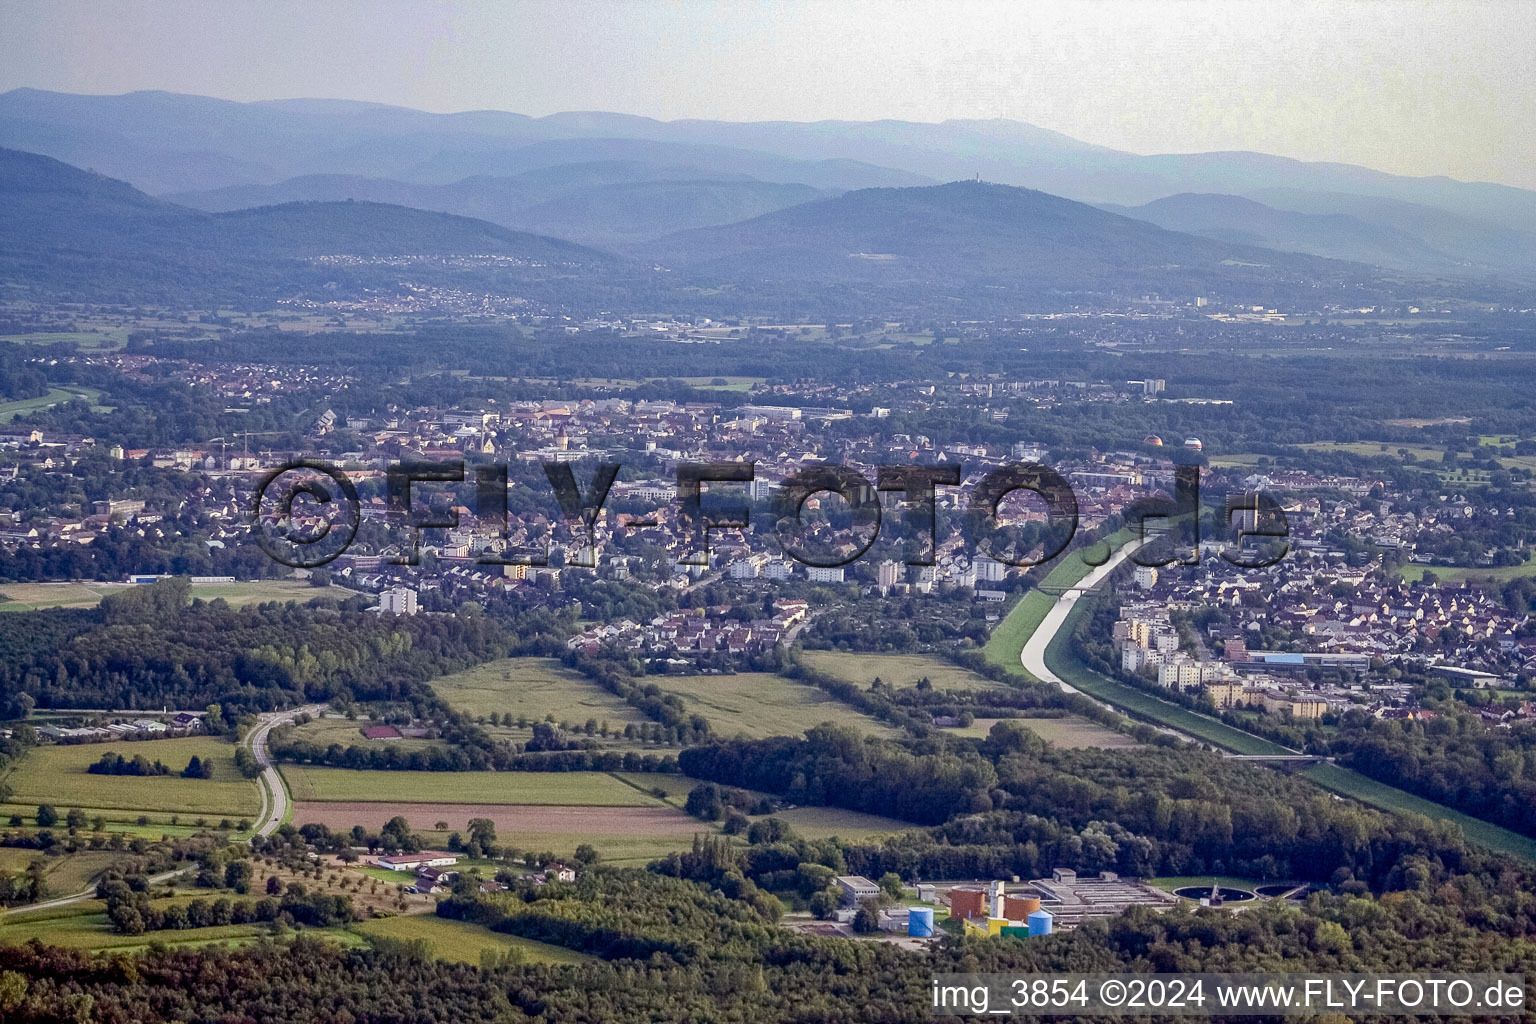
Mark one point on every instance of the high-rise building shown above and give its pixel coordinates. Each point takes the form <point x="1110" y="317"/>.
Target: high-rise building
<point x="989" y="570"/>
<point x="398" y="600"/>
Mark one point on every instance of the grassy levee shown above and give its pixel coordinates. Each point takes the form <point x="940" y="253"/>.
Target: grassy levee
<point x="1007" y="641"/>
<point x="1062" y="658"/>
<point x="1348" y="782"/>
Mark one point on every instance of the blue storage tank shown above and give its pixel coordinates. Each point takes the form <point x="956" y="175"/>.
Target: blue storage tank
<point x="920" y="922"/>
<point x="1040" y="923"/>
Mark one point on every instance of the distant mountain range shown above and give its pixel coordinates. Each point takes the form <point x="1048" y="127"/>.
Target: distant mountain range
<point x="1365" y="229"/>
<point x="959" y="248"/>
<point x="599" y="203"/>
<point x="615" y="180"/>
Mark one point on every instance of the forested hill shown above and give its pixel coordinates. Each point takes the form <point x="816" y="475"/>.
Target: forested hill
<point x="975" y="238"/>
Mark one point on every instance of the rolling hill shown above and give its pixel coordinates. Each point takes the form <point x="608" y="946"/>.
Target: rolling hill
<point x="599" y="203"/>
<point x="1243" y="221"/>
<point x="971" y="240"/>
<point x="67" y="230"/>
<point x="1474" y="243"/>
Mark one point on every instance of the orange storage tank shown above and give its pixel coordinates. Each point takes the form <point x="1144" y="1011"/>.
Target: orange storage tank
<point x="967" y="903"/>
<point x="1018" y="908"/>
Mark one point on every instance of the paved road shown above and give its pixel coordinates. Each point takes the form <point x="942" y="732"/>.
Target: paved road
<point x="89" y="894"/>
<point x="274" y="798"/>
<point x="1032" y="657"/>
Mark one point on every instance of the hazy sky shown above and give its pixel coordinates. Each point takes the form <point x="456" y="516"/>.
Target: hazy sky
<point x="1410" y="87"/>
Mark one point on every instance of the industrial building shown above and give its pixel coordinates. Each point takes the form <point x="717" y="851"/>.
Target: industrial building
<point x="856" y="888"/>
<point x="1044" y="905"/>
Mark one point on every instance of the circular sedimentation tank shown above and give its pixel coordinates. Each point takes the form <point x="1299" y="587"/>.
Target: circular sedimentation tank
<point x="1227" y="893"/>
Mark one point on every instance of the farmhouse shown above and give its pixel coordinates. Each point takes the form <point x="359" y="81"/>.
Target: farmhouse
<point x="417" y="861"/>
<point x="380" y="732"/>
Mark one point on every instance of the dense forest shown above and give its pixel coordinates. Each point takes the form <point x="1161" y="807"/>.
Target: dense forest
<point x="147" y="648"/>
<point x="716" y="962"/>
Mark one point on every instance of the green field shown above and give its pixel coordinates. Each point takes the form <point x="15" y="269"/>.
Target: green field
<point x="675" y="786"/>
<point x="1377" y="448"/>
<point x="1069" y="733"/>
<point x="1467" y="573"/>
<point x="85" y="339"/>
<point x="534" y="687"/>
<point x="759" y="704"/>
<point x="55" y="396"/>
<point x="899" y="670"/>
<point x="125" y="820"/>
<point x="65" y="874"/>
<point x="558" y="789"/>
<point x="347" y="732"/>
<point x="58" y="776"/>
<point x="822" y="822"/>
<point x="462" y="942"/>
<point x="256" y="591"/>
<point x="84" y="925"/>
<point x="26" y="597"/>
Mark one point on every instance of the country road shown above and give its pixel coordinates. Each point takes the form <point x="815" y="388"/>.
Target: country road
<point x="86" y="894"/>
<point x="274" y="801"/>
<point x="274" y="797"/>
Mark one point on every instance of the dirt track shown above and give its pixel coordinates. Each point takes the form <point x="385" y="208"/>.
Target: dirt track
<point x="613" y="821"/>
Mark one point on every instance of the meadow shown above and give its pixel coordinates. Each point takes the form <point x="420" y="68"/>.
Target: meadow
<point x="1069" y="733"/>
<point x="84" y="925"/>
<point x="626" y="836"/>
<point x="1347" y="782"/>
<point x="55" y="396"/>
<point x="57" y="775"/>
<point x="561" y="789"/>
<point x="533" y="687"/>
<point x="823" y="822"/>
<point x="898" y="670"/>
<point x="1414" y="572"/>
<point x="63" y="874"/>
<point x="26" y="597"/>
<point x="759" y="704"/>
<point x="462" y="942"/>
